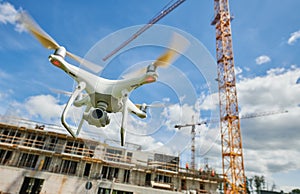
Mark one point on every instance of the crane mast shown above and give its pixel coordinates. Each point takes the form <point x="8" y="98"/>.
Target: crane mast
<point x="231" y="140"/>
<point x="193" y="133"/>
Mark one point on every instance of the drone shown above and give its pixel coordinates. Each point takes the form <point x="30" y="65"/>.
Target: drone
<point x="98" y="95"/>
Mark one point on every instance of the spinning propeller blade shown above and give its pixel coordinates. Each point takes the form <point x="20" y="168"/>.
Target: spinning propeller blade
<point x="86" y="63"/>
<point x="177" y="46"/>
<point x="44" y="38"/>
<point x="135" y="73"/>
<point x="61" y="92"/>
<point x="153" y="105"/>
<point x="48" y="42"/>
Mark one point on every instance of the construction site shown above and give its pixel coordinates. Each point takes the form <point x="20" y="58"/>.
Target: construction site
<point x="38" y="157"/>
<point x="41" y="158"/>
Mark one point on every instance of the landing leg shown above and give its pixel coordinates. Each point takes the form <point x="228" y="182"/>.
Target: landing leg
<point x="80" y="87"/>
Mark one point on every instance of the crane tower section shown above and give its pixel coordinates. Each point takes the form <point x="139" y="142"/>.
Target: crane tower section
<point x="232" y="153"/>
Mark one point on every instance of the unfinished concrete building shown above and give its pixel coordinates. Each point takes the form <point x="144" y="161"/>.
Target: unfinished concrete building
<point x="34" y="159"/>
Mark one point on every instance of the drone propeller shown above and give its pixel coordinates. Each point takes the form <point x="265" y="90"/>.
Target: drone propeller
<point x="48" y="42"/>
<point x="58" y="91"/>
<point x="144" y="106"/>
<point x="134" y="74"/>
<point x="177" y="46"/>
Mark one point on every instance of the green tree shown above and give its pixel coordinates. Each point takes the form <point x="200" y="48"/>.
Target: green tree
<point x="249" y="185"/>
<point x="296" y="191"/>
<point x="259" y="182"/>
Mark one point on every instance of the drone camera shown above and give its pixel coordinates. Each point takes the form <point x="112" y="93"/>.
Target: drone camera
<point x="97" y="113"/>
<point x="97" y="117"/>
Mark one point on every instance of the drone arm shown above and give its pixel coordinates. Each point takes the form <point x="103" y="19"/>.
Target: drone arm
<point x="136" y="109"/>
<point x="80" y="87"/>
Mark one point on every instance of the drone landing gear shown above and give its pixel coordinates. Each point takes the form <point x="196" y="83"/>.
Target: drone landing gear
<point x="124" y="117"/>
<point x="80" y="87"/>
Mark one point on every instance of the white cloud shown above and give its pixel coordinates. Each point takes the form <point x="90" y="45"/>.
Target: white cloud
<point x="271" y="143"/>
<point x="238" y="70"/>
<point x="276" y="71"/>
<point x="262" y="59"/>
<point x="247" y="68"/>
<point x="6" y="94"/>
<point x="3" y="74"/>
<point x="44" y="106"/>
<point x="264" y="138"/>
<point x="8" y="14"/>
<point x="275" y="90"/>
<point x="176" y="113"/>
<point x="211" y="102"/>
<point x="294" y="37"/>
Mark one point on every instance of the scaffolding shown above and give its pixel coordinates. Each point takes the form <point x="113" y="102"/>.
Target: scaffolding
<point x="41" y="150"/>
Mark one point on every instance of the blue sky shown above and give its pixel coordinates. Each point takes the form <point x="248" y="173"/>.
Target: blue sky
<point x="266" y="43"/>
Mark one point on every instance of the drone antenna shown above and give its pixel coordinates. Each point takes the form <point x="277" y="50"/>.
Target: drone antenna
<point x="145" y="27"/>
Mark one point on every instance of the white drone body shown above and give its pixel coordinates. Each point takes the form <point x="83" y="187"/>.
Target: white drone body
<point x="101" y="96"/>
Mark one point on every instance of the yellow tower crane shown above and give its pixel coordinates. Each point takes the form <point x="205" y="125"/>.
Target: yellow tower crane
<point x="231" y="139"/>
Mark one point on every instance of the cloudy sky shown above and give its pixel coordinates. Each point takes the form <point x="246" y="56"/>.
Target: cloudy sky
<point x="266" y="41"/>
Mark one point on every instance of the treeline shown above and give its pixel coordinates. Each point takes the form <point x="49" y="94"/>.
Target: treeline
<point x="257" y="184"/>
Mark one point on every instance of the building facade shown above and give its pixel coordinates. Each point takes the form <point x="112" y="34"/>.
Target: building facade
<point x="34" y="159"/>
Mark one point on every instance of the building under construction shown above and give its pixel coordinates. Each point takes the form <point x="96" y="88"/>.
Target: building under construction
<point x="36" y="158"/>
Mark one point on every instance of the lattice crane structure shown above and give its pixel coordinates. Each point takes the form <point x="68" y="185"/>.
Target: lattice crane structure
<point x="231" y="139"/>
